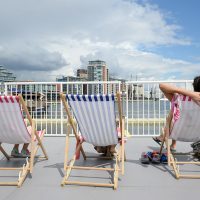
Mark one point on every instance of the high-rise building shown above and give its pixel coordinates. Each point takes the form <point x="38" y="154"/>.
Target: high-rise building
<point x="82" y="73"/>
<point x="6" y="76"/>
<point x="97" y="71"/>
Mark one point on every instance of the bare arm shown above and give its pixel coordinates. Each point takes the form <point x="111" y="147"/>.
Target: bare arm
<point x="170" y="90"/>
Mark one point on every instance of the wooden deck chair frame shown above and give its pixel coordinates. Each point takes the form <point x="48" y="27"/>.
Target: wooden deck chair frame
<point x="28" y="167"/>
<point x="172" y="161"/>
<point x="69" y="164"/>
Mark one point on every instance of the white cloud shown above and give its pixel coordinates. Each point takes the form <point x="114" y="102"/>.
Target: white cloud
<point x="62" y="35"/>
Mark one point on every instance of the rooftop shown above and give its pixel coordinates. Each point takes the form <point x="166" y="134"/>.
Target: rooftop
<point x="139" y="182"/>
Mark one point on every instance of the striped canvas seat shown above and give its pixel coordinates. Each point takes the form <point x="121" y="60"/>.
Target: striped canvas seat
<point x="96" y="120"/>
<point x="186" y="119"/>
<point x="13" y="130"/>
<point x="95" y="115"/>
<point x="183" y="124"/>
<point x="12" y="125"/>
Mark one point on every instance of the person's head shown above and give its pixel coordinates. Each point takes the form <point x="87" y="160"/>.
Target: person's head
<point x="196" y="84"/>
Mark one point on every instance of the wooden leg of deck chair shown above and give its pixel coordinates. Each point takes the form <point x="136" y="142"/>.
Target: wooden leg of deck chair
<point x="123" y="151"/>
<point x="68" y="171"/>
<point x="71" y="121"/>
<point x="23" y="173"/>
<point x="4" y="153"/>
<point x="67" y="147"/>
<point x="40" y="143"/>
<point x="164" y="140"/>
<point x="174" y="166"/>
<point x="116" y="173"/>
<point x="32" y="147"/>
<point x="166" y="131"/>
<point x="168" y="153"/>
<point x="123" y="157"/>
<point x="71" y="164"/>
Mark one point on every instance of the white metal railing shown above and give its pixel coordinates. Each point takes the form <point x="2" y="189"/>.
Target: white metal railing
<point x="143" y="103"/>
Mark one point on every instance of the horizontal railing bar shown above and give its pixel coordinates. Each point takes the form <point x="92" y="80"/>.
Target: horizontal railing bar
<point x="56" y="83"/>
<point x="161" y="81"/>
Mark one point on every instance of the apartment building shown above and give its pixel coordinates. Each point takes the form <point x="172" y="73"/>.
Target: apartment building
<point x="97" y="71"/>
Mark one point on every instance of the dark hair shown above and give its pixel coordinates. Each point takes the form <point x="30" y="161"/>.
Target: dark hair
<point x="196" y="84"/>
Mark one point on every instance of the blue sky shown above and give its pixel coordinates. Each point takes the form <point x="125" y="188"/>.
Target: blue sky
<point x="150" y="39"/>
<point x="186" y="14"/>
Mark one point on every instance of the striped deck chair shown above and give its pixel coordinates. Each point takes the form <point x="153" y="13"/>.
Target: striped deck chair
<point x="13" y="130"/>
<point x="95" y="116"/>
<point x="183" y="124"/>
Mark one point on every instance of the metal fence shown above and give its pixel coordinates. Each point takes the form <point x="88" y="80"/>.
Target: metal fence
<point x="143" y="103"/>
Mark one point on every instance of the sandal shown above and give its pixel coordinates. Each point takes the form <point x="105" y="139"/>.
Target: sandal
<point x="15" y="153"/>
<point x="173" y="150"/>
<point x="157" y="140"/>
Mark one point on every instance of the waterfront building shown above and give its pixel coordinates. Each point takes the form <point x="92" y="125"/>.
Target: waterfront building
<point x="114" y="88"/>
<point x="72" y="88"/>
<point x="97" y="71"/>
<point x="6" y="76"/>
<point x="82" y="73"/>
<point x="135" y="91"/>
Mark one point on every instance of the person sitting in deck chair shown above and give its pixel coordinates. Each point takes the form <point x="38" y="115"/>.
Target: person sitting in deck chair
<point x="169" y="92"/>
<point x="24" y="151"/>
<point x="109" y="150"/>
<point x="14" y="130"/>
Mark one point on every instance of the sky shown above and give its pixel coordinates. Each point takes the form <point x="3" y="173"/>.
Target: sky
<point x="138" y="39"/>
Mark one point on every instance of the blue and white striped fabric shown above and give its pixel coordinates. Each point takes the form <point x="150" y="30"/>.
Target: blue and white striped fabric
<point x="95" y="115"/>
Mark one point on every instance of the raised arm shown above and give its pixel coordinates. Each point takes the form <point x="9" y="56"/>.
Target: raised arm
<point x="170" y="90"/>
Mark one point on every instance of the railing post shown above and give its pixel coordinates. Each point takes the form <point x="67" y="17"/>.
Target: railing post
<point x="61" y="109"/>
<point x="127" y="117"/>
<point x="5" y="89"/>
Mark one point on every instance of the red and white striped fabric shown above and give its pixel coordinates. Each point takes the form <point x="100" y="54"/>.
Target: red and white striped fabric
<point x="186" y="119"/>
<point x="13" y="129"/>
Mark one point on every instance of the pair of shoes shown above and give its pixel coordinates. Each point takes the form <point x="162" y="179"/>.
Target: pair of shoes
<point x="163" y="158"/>
<point x="155" y="158"/>
<point x="157" y="140"/>
<point x="15" y="153"/>
<point x="144" y="158"/>
<point x="25" y="153"/>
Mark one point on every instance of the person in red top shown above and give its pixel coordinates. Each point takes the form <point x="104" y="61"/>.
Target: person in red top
<point x="169" y="92"/>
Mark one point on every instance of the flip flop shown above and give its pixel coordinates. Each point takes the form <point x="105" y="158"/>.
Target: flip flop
<point x="173" y="150"/>
<point x="157" y="140"/>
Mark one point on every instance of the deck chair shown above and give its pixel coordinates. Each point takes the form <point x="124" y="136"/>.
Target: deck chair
<point x="13" y="130"/>
<point x="95" y="116"/>
<point x="182" y="124"/>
